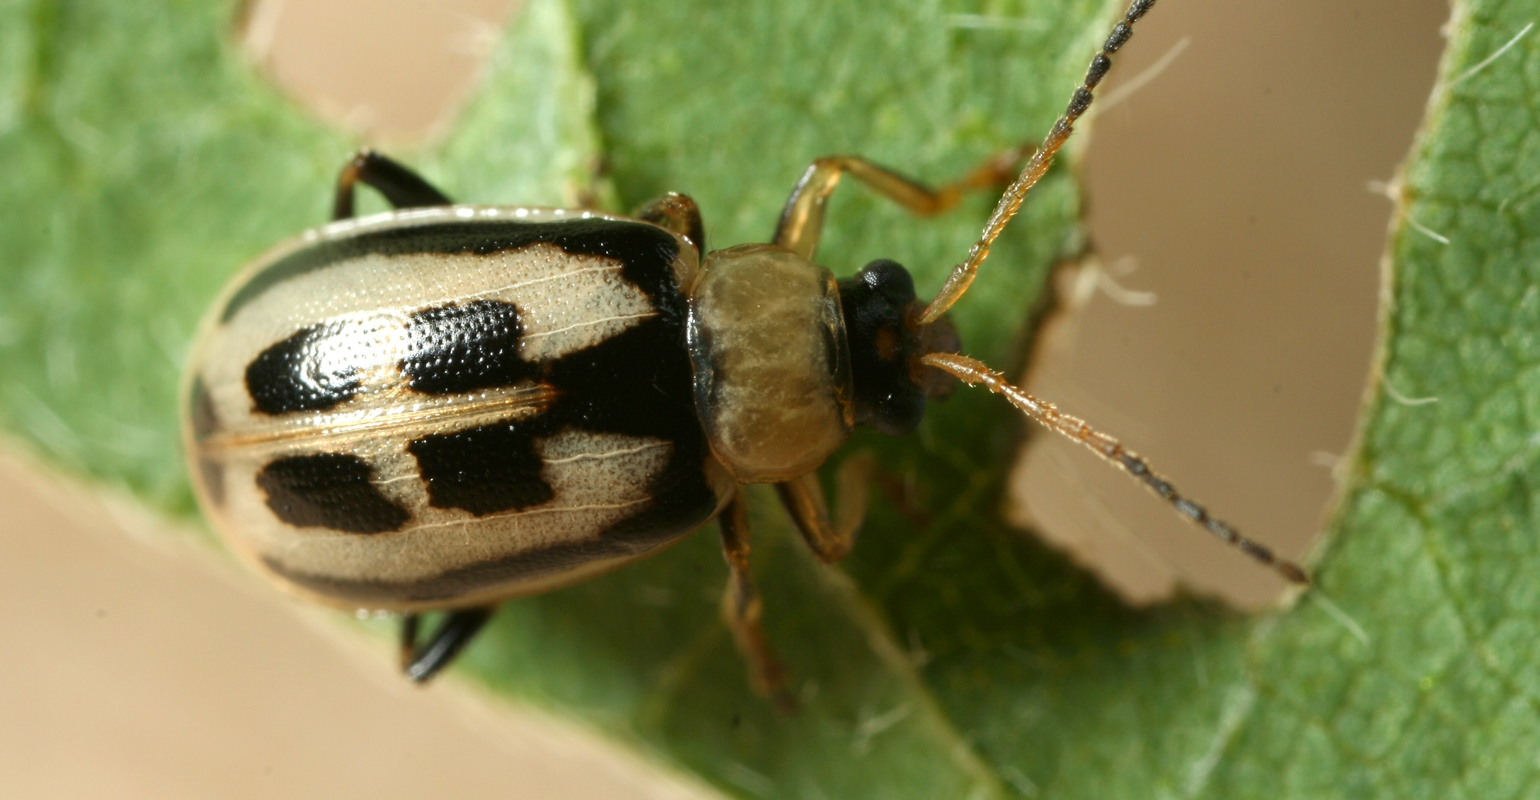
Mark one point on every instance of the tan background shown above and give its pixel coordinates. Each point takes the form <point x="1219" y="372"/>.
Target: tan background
<point x="1237" y="179"/>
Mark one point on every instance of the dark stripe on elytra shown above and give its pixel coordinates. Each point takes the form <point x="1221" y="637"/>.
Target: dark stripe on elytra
<point x="636" y="245"/>
<point x="329" y="490"/>
<point x="201" y="406"/>
<point x="639" y="383"/>
<point x="290" y="376"/>
<point x="205" y="422"/>
<point x="213" y="474"/>
<point x="461" y="348"/>
<point x="472" y="578"/>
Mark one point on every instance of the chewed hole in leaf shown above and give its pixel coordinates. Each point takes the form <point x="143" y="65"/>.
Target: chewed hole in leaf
<point x="393" y="71"/>
<point x="1242" y="381"/>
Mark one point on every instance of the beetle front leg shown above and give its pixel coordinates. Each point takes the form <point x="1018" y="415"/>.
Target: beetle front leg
<point x="401" y="186"/>
<point x="678" y="213"/>
<point x="801" y="223"/>
<point x="743" y="607"/>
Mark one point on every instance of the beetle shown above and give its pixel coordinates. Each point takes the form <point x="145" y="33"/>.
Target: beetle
<point x="444" y="406"/>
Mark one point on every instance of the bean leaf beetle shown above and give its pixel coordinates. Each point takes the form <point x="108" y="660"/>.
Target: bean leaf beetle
<point x="444" y="406"/>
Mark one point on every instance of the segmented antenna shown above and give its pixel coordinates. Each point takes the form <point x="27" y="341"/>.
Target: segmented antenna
<point x="962" y="275"/>
<point x="1110" y="449"/>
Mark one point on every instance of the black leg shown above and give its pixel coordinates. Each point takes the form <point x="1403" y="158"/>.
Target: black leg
<point x="678" y="213"/>
<point x="408" y="653"/>
<point x="401" y="186"/>
<point x="452" y="635"/>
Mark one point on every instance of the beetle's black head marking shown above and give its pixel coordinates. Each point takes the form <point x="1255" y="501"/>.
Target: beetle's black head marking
<point x="886" y="343"/>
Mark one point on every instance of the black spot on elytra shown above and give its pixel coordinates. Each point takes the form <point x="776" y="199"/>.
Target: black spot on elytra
<point x="482" y="470"/>
<point x="294" y="374"/>
<point x="329" y="490"/>
<point x="461" y="348"/>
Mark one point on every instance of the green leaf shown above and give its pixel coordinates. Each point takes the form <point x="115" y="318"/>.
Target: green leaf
<point x="950" y="656"/>
<point x="1435" y="530"/>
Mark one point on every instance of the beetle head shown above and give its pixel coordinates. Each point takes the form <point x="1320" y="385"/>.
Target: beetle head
<point x="887" y="340"/>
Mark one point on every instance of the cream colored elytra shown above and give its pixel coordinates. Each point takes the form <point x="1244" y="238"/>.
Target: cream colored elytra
<point x="759" y="365"/>
<point x="568" y="303"/>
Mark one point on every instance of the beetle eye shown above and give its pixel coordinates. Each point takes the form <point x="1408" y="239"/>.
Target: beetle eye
<point x="890" y="279"/>
<point x="900" y="412"/>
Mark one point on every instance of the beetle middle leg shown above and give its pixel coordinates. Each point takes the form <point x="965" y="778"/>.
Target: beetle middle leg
<point x="456" y="631"/>
<point x="801" y="223"/>
<point x="743" y="607"/>
<point x="401" y="186"/>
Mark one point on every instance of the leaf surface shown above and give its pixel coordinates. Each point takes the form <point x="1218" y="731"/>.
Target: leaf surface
<point x="950" y="656"/>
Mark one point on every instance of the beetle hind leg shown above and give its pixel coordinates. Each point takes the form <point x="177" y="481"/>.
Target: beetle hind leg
<point x="743" y="607"/>
<point x="451" y="636"/>
<point x="401" y="186"/>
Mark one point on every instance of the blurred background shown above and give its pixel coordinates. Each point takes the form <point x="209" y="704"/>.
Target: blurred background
<point x="1224" y="331"/>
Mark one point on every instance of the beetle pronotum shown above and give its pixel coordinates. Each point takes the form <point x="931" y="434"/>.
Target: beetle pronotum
<point x="444" y="406"/>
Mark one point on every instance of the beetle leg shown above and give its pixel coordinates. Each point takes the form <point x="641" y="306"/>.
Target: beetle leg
<point x="457" y="629"/>
<point x="408" y="640"/>
<point x="401" y="186"/>
<point x="801" y="223"/>
<point x="743" y="606"/>
<point x="804" y="501"/>
<point x="678" y="213"/>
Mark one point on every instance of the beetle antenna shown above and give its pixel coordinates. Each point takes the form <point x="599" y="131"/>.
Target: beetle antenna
<point x="1111" y="450"/>
<point x="962" y="275"/>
